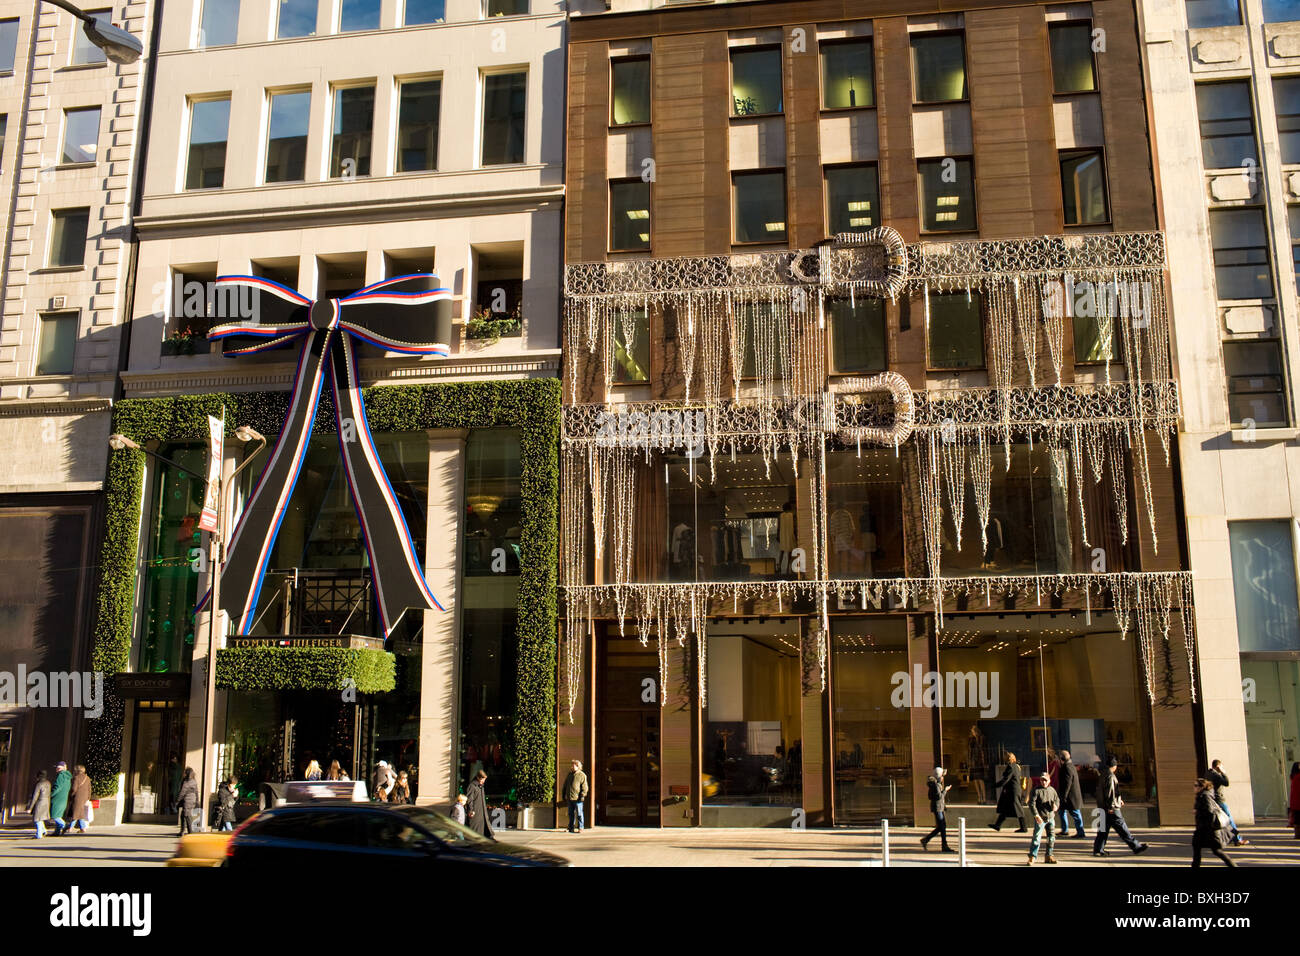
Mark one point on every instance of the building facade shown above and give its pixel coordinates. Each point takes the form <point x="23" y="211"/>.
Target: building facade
<point x="1231" y="213"/>
<point x="869" y="452"/>
<point x="69" y="124"/>
<point x="323" y="148"/>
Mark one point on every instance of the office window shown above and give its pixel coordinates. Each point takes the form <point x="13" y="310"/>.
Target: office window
<point x="1239" y="238"/>
<point x="505" y="96"/>
<point x="1256" y="383"/>
<point x="759" y="200"/>
<point x="1073" y="69"/>
<point x="83" y="51"/>
<point x="938" y="67"/>
<point x="1227" y="127"/>
<point x="852" y="199"/>
<point x="507" y="8"/>
<point x="1090" y="347"/>
<point x="755" y="80"/>
<point x="220" y="23"/>
<point x="632" y="358"/>
<point x="56" y="343"/>
<point x="857" y="334"/>
<point x="358" y="15"/>
<point x="80" y="135"/>
<point x="848" y="75"/>
<point x="1286" y="100"/>
<point x="354" y="118"/>
<point x="286" y="147"/>
<point x="416" y="12"/>
<point x="1292" y="218"/>
<point x="956" y="330"/>
<point x="417" y="125"/>
<point x="297" y="19"/>
<point x="68" y="237"/>
<point x="630" y="100"/>
<point x="1213" y="13"/>
<point x="205" y="167"/>
<point x="629" y="215"/>
<point x="947" y="195"/>
<point x="1281" y="11"/>
<point x="1264" y="586"/>
<point x="9" y="44"/>
<point x="1083" y="187"/>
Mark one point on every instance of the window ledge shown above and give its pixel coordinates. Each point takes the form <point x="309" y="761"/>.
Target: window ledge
<point x="1257" y="435"/>
<point x="82" y="66"/>
<point x="55" y="270"/>
<point x="90" y="165"/>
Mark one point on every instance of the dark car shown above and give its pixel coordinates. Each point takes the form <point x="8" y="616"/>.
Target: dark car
<point x="327" y="835"/>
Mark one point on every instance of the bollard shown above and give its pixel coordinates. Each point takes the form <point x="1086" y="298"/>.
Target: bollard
<point x="961" y="838"/>
<point x="884" y="842"/>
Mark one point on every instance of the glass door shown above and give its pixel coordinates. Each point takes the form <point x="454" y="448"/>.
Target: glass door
<point x="157" y="758"/>
<point x="627" y="758"/>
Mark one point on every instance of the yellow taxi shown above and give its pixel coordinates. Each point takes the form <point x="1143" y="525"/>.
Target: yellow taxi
<point x="201" y="849"/>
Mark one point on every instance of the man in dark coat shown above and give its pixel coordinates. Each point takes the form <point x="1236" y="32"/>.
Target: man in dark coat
<point x="476" y="813"/>
<point x="1219" y="778"/>
<point x="1009" y="804"/>
<point x="79" y="802"/>
<point x="1110" y="802"/>
<point x="938" y="797"/>
<point x="1071" y="797"/>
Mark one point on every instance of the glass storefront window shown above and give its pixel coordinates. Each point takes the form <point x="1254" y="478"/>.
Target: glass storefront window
<point x="487" y="704"/>
<point x="166" y="640"/>
<point x="1271" y="691"/>
<point x="864" y="511"/>
<point x="493" y="506"/>
<point x="873" y="739"/>
<point x="752" y="748"/>
<point x="740" y="527"/>
<point x="1264" y="583"/>
<point x="1034" y="685"/>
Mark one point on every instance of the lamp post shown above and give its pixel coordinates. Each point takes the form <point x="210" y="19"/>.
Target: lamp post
<point x="118" y="45"/>
<point x="216" y="553"/>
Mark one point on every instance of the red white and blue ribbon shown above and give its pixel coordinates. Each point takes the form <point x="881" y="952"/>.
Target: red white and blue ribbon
<point x="409" y="314"/>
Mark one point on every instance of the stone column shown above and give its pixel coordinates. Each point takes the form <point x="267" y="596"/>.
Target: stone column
<point x="440" y="652"/>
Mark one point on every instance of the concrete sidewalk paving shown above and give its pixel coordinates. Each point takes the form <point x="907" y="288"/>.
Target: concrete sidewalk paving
<point x="151" y="845"/>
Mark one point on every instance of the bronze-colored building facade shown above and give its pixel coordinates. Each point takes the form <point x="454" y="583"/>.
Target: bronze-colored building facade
<point x="869" y="410"/>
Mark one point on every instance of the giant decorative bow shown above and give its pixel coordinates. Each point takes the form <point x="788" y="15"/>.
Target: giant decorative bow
<point x="409" y="314"/>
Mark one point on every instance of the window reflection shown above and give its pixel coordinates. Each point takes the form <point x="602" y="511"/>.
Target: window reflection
<point x="171" y="578"/>
<point x="493" y="510"/>
<point x="864" y="511"/>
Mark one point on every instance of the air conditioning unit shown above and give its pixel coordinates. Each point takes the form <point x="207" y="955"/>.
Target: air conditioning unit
<point x="58" y="302"/>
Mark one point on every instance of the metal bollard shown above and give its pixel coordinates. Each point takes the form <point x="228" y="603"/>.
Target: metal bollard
<point x="961" y="837"/>
<point x="884" y="842"/>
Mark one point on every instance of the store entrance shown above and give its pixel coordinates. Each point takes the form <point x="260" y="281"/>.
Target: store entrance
<point x="157" y="760"/>
<point x="627" y="754"/>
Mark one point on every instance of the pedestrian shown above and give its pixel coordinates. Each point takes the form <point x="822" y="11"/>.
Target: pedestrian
<point x="187" y="800"/>
<point x="39" y="806"/>
<point x="1009" y="803"/>
<point x="79" y="813"/>
<point x="59" y="797"/>
<point x="1293" y="805"/>
<point x="575" y="792"/>
<point x="313" y="771"/>
<point x="476" y="806"/>
<point x="458" y="809"/>
<point x="1219" y="778"/>
<point x="1213" y="831"/>
<point x="1044" y="802"/>
<point x="227" y="797"/>
<point x="1110" y="802"/>
<point x="938" y="794"/>
<point x="1071" y="797"/>
<point x="401" y="789"/>
<point x="336" y="772"/>
<point x="384" y="777"/>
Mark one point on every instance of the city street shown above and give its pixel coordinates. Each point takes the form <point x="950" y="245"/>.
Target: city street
<point x="151" y="845"/>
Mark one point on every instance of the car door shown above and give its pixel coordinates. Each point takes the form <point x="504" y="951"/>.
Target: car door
<point x="311" y="837"/>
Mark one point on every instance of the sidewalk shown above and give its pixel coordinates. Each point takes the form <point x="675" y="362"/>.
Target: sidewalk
<point x="151" y="845"/>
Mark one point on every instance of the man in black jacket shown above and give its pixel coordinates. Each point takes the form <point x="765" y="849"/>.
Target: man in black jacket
<point x="476" y="812"/>
<point x="1071" y="797"/>
<point x="1110" y="802"/>
<point x="1009" y="803"/>
<point x="1219" y="778"/>
<point x="938" y="794"/>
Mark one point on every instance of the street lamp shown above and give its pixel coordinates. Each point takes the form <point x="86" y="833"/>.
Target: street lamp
<point x="217" y="556"/>
<point x="118" y="45"/>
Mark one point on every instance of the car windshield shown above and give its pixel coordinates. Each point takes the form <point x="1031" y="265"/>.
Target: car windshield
<point x="444" y="828"/>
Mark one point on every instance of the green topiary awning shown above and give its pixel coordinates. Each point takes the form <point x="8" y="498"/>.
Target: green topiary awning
<point x="306" y="668"/>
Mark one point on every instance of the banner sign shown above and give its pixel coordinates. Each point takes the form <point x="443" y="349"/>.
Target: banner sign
<point x="216" y="453"/>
